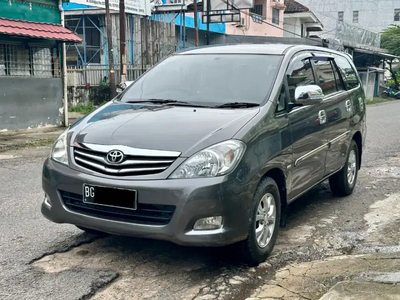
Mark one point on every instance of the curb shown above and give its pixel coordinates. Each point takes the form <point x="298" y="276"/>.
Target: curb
<point x="14" y="140"/>
<point x="28" y="144"/>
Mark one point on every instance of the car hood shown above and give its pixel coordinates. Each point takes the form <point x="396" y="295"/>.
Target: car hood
<point x="160" y="127"/>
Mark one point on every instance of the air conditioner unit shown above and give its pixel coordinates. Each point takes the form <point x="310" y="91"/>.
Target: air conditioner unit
<point x="242" y="22"/>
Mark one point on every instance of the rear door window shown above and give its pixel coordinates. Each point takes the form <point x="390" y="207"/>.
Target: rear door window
<point x="349" y="75"/>
<point x="325" y="75"/>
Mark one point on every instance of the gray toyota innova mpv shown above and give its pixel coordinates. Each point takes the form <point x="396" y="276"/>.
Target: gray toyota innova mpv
<point x="210" y="146"/>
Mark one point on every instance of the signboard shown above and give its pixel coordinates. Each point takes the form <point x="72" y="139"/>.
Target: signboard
<point x="226" y="16"/>
<point x="228" y="4"/>
<point x="136" y="7"/>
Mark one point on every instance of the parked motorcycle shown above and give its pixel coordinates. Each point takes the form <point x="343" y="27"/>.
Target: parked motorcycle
<point x="389" y="92"/>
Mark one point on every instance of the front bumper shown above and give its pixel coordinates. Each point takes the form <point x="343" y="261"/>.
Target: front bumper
<point x="192" y="199"/>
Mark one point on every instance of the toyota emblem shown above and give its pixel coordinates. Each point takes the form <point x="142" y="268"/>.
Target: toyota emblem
<point x="115" y="157"/>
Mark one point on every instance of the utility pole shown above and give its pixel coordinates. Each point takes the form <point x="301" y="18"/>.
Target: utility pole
<point x="208" y="21"/>
<point x="196" y="28"/>
<point x="184" y="26"/>
<point x="110" y="50"/>
<point x="64" y="72"/>
<point x="122" y="39"/>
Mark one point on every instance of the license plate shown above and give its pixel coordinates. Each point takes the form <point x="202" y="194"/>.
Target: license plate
<point x="112" y="197"/>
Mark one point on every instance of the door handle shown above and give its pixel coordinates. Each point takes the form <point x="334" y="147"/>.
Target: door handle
<point x="348" y="106"/>
<point x="322" y="117"/>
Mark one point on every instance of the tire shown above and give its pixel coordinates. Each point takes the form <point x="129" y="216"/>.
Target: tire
<point x="255" y="251"/>
<point x="92" y="231"/>
<point x="384" y="95"/>
<point x="343" y="183"/>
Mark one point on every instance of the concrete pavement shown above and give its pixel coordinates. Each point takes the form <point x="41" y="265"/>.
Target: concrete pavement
<point x="17" y="139"/>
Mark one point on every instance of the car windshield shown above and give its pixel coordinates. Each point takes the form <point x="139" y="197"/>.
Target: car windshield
<point x="209" y="80"/>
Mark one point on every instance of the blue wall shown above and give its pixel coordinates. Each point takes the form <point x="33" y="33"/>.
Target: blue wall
<point x="189" y="22"/>
<point x="69" y="6"/>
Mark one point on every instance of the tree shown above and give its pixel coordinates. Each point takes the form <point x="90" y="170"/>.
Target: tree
<point x="390" y="40"/>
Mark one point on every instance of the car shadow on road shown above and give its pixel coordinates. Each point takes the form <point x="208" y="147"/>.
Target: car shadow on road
<point x="213" y="258"/>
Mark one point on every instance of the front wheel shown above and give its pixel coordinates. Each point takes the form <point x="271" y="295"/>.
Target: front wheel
<point x="384" y="95"/>
<point x="343" y="182"/>
<point x="263" y="222"/>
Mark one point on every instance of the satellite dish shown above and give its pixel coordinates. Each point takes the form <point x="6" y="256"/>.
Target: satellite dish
<point x="335" y="44"/>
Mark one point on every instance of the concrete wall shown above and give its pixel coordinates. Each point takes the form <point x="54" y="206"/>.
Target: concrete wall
<point x="266" y="28"/>
<point x="373" y="15"/>
<point x="82" y="95"/>
<point x="27" y="102"/>
<point x="292" y="27"/>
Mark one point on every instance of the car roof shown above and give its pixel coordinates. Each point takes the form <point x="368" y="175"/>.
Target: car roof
<point x="239" y="49"/>
<point x="271" y="49"/>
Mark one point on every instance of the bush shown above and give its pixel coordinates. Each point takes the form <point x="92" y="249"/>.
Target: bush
<point x="83" y="108"/>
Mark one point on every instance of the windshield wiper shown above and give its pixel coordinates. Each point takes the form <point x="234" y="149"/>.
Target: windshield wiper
<point x="168" y="101"/>
<point x="237" y="105"/>
<point x="160" y="101"/>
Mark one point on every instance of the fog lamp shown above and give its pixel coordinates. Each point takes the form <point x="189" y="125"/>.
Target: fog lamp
<point x="208" y="223"/>
<point x="47" y="201"/>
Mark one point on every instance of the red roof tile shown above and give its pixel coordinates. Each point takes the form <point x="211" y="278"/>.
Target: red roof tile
<point x="293" y="6"/>
<point x="37" y="30"/>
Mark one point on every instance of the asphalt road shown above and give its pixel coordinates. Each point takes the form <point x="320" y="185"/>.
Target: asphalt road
<point x="42" y="260"/>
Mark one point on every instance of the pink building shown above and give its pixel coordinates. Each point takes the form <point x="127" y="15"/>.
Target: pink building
<point x="264" y="19"/>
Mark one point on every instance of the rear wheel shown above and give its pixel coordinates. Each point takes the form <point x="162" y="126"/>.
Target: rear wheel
<point x="263" y="222"/>
<point x="343" y="182"/>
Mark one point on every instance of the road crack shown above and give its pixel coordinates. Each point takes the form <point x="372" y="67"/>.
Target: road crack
<point x="65" y="248"/>
<point x="98" y="286"/>
<point x="298" y="294"/>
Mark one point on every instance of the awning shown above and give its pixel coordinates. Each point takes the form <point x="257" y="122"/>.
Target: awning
<point x="377" y="53"/>
<point x="37" y="30"/>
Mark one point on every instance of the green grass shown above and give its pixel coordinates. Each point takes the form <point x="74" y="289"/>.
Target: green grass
<point x="83" y="108"/>
<point x="378" y="100"/>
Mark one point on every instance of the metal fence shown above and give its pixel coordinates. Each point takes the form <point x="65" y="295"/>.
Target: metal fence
<point x="94" y="74"/>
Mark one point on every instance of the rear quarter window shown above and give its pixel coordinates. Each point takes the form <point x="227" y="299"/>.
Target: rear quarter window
<point x="349" y="75"/>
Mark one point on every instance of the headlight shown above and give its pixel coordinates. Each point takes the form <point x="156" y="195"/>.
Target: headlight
<point x="59" y="149"/>
<point x="216" y="160"/>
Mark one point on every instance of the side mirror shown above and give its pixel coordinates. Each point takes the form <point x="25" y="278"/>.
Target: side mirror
<point x="308" y="95"/>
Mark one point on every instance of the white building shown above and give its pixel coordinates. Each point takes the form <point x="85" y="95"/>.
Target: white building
<point x="299" y="20"/>
<point x="370" y="15"/>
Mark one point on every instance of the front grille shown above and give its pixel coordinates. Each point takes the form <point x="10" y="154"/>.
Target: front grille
<point x="132" y="165"/>
<point x="148" y="214"/>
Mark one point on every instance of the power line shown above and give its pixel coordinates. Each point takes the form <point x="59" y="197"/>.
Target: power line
<point x="268" y="23"/>
<point x="281" y="28"/>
